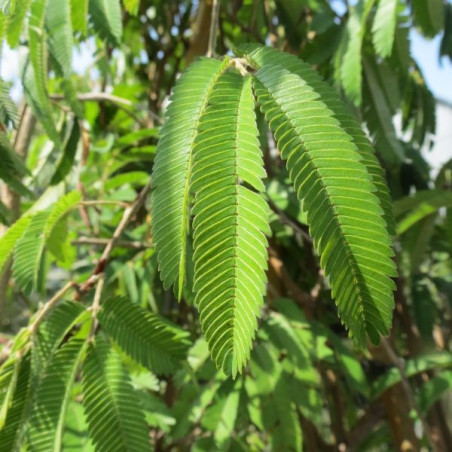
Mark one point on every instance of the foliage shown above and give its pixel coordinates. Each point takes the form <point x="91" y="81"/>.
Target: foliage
<point x="205" y="253"/>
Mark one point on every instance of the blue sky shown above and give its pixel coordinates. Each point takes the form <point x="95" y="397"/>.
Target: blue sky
<point x="438" y="74"/>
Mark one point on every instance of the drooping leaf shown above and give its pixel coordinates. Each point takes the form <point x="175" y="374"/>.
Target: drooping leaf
<point x="66" y="161"/>
<point x="412" y="209"/>
<point x="261" y="55"/>
<point x="350" y="64"/>
<point x="60" y="37"/>
<point x="8" y="109"/>
<point x="79" y="15"/>
<point x="16" y="22"/>
<point x="12" y="434"/>
<point x="107" y="19"/>
<point x="384" y="26"/>
<point x="35" y="78"/>
<point x="344" y="215"/>
<point x="115" y="419"/>
<point x="429" y="16"/>
<point x="55" y="327"/>
<point x="53" y="396"/>
<point x="378" y="117"/>
<point x="12" y="167"/>
<point x="230" y="222"/>
<point x="146" y="337"/>
<point x="30" y="248"/>
<point x="9" y="240"/>
<point x="131" y="6"/>
<point x="173" y="168"/>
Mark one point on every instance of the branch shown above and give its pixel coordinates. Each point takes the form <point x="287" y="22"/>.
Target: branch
<point x="48" y="306"/>
<point x="127" y="216"/>
<point x="106" y="97"/>
<point x="103" y="242"/>
<point x="213" y="29"/>
<point x="400" y="364"/>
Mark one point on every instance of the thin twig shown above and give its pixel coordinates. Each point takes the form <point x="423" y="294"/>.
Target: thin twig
<point x="94" y="241"/>
<point x="95" y="307"/>
<point x="102" y="202"/>
<point x="400" y="364"/>
<point x="213" y="28"/>
<point x="48" y="306"/>
<point x="289" y="222"/>
<point x="106" y="97"/>
<point x="127" y="216"/>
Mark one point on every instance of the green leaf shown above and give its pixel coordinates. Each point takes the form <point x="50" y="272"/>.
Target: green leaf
<point x="66" y="161"/>
<point x="35" y="81"/>
<point x="337" y="192"/>
<point x="132" y="6"/>
<point x="9" y="240"/>
<point x="59" y="26"/>
<point x="30" y="248"/>
<point x="12" y="435"/>
<point x="411" y="209"/>
<point x="16" y="22"/>
<point x="12" y="167"/>
<point x="79" y="15"/>
<point x="53" y="396"/>
<point x="7" y="6"/>
<point x="145" y="337"/>
<point x="260" y="56"/>
<point x="8" y="379"/>
<point x="55" y="327"/>
<point x="107" y="19"/>
<point x="8" y="109"/>
<point x="222" y="414"/>
<point x="115" y="419"/>
<point x="384" y="26"/>
<point x="173" y="167"/>
<point x="377" y="114"/>
<point x="434" y="389"/>
<point x="429" y="16"/>
<point x="413" y="367"/>
<point x="230" y="222"/>
<point x="76" y="436"/>
<point x="350" y="65"/>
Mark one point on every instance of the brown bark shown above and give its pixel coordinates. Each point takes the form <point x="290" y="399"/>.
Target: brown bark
<point x="201" y="30"/>
<point x="400" y="424"/>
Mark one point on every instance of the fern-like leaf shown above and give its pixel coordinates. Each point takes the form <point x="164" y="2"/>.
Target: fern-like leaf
<point x="147" y="338"/>
<point x="107" y="19"/>
<point x="56" y="326"/>
<point x="115" y="419"/>
<point x="337" y="192"/>
<point x="12" y="168"/>
<point x="429" y="16"/>
<point x="36" y="81"/>
<point x="53" y="396"/>
<point x="13" y="432"/>
<point x="79" y="15"/>
<point x="378" y="117"/>
<point x="173" y="166"/>
<point x="351" y="67"/>
<point x="59" y="26"/>
<point x="8" y="109"/>
<point x="260" y="56"/>
<point x="9" y="240"/>
<point x="16" y="23"/>
<point x="30" y="248"/>
<point x="8" y="378"/>
<point x="231" y="220"/>
<point x="384" y="26"/>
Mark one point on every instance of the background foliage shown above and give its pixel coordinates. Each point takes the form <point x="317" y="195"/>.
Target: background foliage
<point x="76" y="155"/>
